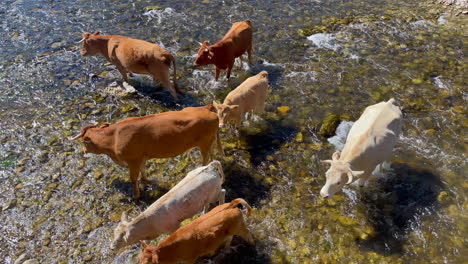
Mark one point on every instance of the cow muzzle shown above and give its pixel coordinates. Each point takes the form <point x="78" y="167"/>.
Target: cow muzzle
<point x="326" y="196"/>
<point x="222" y="125"/>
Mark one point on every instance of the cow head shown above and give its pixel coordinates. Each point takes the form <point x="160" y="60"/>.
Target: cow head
<point x="89" y="47"/>
<point x="337" y="176"/>
<point x="121" y="233"/>
<point x="226" y="113"/>
<point x="149" y="254"/>
<point x="85" y="135"/>
<point x="205" y="54"/>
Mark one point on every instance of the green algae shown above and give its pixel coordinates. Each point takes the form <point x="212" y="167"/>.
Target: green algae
<point x="290" y="222"/>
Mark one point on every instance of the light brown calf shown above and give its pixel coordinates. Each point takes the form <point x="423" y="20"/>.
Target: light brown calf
<point x="204" y="235"/>
<point x="132" y="55"/>
<point x="249" y="96"/>
<point x="131" y="142"/>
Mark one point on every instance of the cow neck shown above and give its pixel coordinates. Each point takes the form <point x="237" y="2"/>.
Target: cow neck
<point x="103" y="45"/>
<point x="103" y="138"/>
<point x="139" y="229"/>
<point x="351" y="163"/>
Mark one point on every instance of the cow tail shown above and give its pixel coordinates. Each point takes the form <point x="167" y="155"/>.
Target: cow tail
<point x="237" y="201"/>
<point x="174" y="74"/>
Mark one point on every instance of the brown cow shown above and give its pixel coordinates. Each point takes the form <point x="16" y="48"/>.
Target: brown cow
<point x="134" y="140"/>
<point x="236" y="42"/>
<point x="204" y="235"/>
<point x="249" y="96"/>
<point x="132" y="55"/>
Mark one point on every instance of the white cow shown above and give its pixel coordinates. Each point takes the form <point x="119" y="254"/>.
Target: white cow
<point x="370" y="141"/>
<point x="193" y="193"/>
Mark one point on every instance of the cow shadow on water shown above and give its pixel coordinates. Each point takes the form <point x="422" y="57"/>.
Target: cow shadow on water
<point x="239" y="252"/>
<point x="273" y="135"/>
<point x="162" y="96"/>
<point x="408" y="193"/>
<point x="150" y="192"/>
<point x="240" y="183"/>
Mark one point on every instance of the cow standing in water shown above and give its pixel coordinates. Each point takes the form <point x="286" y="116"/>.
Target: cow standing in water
<point x="370" y="141"/>
<point x="202" y="236"/>
<point x="236" y="42"/>
<point x="200" y="188"/>
<point x="133" y="141"/>
<point x="132" y="56"/>
<point x="249" y="96"/>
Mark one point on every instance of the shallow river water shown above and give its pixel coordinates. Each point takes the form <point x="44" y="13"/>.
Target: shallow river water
<point x="327" y="61"/>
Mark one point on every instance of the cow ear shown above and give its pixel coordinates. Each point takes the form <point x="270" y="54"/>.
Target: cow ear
<point x="206" y="43"/>
<point x="124" y="218"/>
<point x="103" y="125"/>
<point x="97" y="33"/>
<point x="85" y="35"/>
<point x="234" y="107"/>
<point x="326" y="161"/>
<point x="143" y="244"/>
<point x="336" y="155"/>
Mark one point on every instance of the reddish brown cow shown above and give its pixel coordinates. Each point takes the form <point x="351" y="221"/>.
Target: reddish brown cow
<point x="204" y="235"/>
<point x="134" y="140"/>
<point x="236" y="42"/>
<point x="132" y="55"/>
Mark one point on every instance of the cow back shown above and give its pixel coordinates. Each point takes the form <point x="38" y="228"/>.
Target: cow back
<point x="373" y="135"/>
<point x="166" y="134"/>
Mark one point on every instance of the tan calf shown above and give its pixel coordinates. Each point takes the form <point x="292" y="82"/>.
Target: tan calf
<point x="202" y="236"/>
<point x="249" y="96"/>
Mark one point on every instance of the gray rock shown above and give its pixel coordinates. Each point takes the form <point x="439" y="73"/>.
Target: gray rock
<point x="120" y="90"/>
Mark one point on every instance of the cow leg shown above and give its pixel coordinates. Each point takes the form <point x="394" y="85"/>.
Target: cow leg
<point x="134" y="173"/>
<point x="228" y="242"/>
<point x="143" y="172"/>
<point x="362" y="180"/>
<point x="228" y="74"/>
<point x="205" y="149"/>
<point x="163" y="77"/>
<point x="222" y="196"/>
<point x="217" y="71"/>
<point x="245" y="234"/>
<point x="249" y="53"/>
<point x="261" y="107"/>
<point x="122" y="71"/>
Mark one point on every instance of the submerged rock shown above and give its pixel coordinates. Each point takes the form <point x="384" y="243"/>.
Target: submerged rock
<point x="329" y="125"/>
<point x="121" y="90"/>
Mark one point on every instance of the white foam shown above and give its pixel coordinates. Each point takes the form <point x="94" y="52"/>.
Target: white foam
<point x="324" y="41"/>
<point x="159" y="15"/>
<point x="442" y="19"/>
<point x="439" y="83"/>
<point x="421" y="23"/>
<point x="205" y="79"/>
<point x="308" y="75"/>
<point x="271" y="64"/>
<point x="339" y="140"/>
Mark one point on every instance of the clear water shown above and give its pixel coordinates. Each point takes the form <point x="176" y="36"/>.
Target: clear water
<point x="60" y="207"/>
